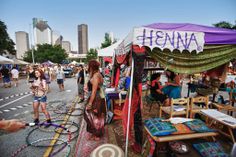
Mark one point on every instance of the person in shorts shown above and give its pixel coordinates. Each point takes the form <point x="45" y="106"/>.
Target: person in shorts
<point x="60" y="78"/>
<point x="6" y="77"/>
<point x="15" y="75"/>
<point x="39" y="89"/>
<point x="80" y="82"/>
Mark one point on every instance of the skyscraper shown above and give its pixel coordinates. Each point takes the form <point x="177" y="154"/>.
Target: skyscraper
<point x="83" y="39"/>
<point x="56" y="38"/>
<point x="22" y="44"/>
<point x="66" y="46"/>
<point x="41" y="31"/>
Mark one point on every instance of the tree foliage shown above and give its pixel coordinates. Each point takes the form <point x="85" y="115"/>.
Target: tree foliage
<point x="107" y="42"/>
<point x="6" y="43"/>
<point x="92" y="54"/>
<point x="224" y="24"/>
<point x="46" y="52"/>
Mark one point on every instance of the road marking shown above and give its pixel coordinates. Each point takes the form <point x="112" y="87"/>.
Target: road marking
<point x="14" y="101"/>
<point x="19" y="106"/>
<point x="12" y="96"/>
<point x="21" y="93"/>
<point x="1" y="112"/>
<point x="57" y="135"/>
<point x="16" y="114"/>
<point x="68" y="90"/>
<point x="6" y="110"/>
<point x="7" y="98"/>
<point x="17" y="95"/>
<point x="1" y="99"/>
<point x="13" y="108"/>
<point x="25" y="104"/>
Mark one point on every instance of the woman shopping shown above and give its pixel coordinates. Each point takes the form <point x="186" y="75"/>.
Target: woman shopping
<point x="95" y="110"/>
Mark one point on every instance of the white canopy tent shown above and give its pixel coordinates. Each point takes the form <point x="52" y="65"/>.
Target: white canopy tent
<point x="108" y="51"/>
<point x="20" y="62"/>
<point x="4" y="60"/>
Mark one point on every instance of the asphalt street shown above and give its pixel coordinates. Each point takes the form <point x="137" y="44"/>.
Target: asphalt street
<point x="16" y="103"/>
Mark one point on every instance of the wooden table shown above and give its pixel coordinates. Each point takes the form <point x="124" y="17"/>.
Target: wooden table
<point x="215" y="117"/>
<point x="154" y="139"/>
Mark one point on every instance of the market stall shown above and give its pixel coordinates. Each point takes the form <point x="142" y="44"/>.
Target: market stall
<point x="181" y="48"/>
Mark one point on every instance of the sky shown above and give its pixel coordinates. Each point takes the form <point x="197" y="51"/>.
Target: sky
<point x="117" y="16"/>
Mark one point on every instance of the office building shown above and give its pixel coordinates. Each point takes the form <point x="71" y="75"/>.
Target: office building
<point x="42" y="33"/>
<point x="66" y="46"/>
<point x="22" y="44"/>
<point x="83" y="39"/>
<point x="56" y="38"/>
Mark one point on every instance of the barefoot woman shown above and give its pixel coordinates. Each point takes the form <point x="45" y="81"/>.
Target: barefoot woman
<point x="95" y="110"/>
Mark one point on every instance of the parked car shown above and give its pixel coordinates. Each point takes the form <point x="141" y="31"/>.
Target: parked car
<point x="68" y="72"/>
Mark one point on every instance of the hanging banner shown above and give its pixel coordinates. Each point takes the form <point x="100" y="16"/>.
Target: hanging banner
<point x="170" y="39"/>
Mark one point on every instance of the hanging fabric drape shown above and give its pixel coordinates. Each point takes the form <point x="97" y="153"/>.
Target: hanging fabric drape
<point x="190" y="63"/>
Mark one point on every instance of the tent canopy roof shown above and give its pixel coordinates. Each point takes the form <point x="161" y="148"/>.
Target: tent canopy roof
<point x="108" y="51"/>
<point x="213" y="35"/>
<point x="4" y="60"/>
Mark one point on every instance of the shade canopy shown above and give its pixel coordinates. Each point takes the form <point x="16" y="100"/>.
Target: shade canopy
<point x="182" y="48"/>
<point x="4" y="60"/>
<point x="20" y="62"/>
<point x="49" y="63"/>
<point x="108" y="51"/>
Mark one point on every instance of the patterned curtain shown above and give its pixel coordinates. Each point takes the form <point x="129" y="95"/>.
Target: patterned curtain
<point x="190" y="63"/>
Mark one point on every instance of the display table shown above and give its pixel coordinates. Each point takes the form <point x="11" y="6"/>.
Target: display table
<point x="216" y="117"/>
<point x="153" y="140"/>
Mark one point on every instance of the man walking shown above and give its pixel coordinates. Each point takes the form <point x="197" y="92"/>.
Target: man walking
<point x="15" y="75"/>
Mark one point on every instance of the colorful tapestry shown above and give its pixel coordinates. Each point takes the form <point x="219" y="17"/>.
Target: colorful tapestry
<point x="84" y="146"/>
<point x="198" y="126"/>
<point x="210" y="149"/>
<point x="158" y="128"/>
<point x="182" y="129"/>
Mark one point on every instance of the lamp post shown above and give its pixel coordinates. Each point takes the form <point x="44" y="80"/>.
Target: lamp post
<point x="31" y="45"/>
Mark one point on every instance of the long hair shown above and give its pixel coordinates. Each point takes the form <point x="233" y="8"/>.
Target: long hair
<point x="42" y="77"/>
<point x="171" y="76"/>
<point x="93" y="66"/>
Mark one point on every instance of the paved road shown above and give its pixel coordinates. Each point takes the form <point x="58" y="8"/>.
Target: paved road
<point x="16" y="103"/>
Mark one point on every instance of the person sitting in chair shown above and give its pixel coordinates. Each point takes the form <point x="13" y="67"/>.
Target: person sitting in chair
<point x="173" y="86"/>
<point x="156" y="92"/>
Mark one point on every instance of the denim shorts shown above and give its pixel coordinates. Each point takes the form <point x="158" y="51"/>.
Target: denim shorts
<point x="40" y="99"/>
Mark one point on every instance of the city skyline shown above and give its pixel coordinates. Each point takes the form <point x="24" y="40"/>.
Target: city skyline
<point x="118" y="17"/>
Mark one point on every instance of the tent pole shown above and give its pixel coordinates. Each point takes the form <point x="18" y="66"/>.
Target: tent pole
<point x="130" y="98"/>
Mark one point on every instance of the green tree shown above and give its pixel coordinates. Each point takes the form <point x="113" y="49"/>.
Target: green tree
<point x="46" y="52"/>
<point x="92" y="54"/>
<point x="6" y="43"/>
<point x="224" y="24"/>
<point x="107" y="42"/>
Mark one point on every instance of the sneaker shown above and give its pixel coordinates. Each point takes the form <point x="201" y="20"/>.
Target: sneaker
<point x="48" y="123"/>
<point x="36" y="121"/>
<point x="136" y="148"/>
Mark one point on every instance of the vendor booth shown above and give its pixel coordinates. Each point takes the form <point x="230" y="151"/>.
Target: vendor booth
<point x="181" y="48"/>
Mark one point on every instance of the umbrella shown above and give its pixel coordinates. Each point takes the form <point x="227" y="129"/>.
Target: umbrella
<point x="4" y="60"/>
<point x="49" y="63"/>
